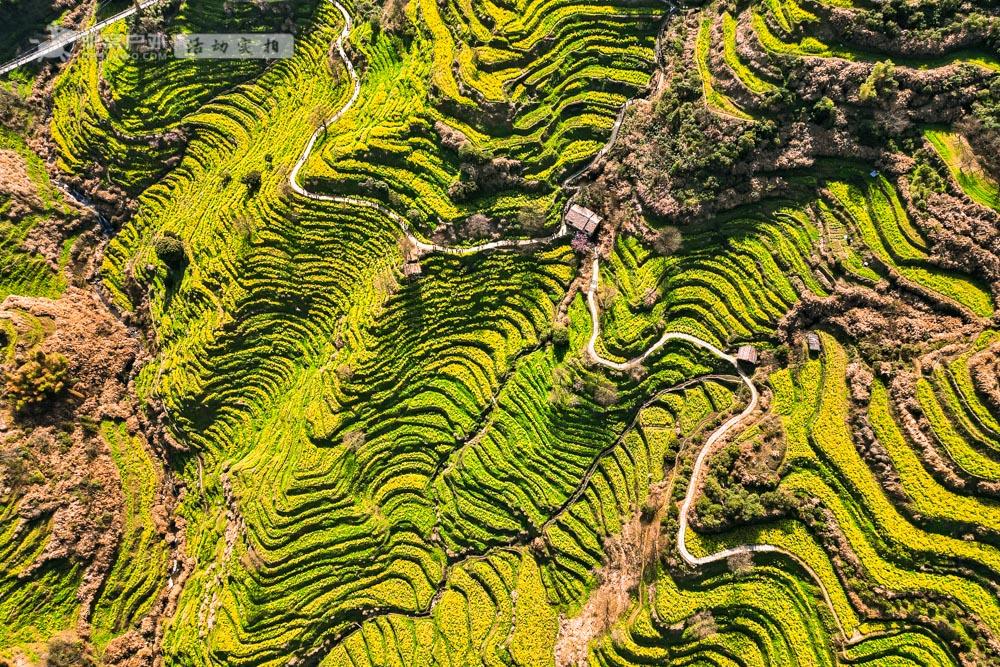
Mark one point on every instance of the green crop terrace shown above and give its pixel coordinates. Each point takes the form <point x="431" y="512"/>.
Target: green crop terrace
<point x="24" y="272"/>
<point x="382" y="470"/>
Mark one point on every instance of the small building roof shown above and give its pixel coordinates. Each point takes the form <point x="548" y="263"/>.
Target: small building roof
<point x="813" y="341"/>
<point x="411" y="269"/>
<point x="582" y="218"/>
<point x="747" y="354"/>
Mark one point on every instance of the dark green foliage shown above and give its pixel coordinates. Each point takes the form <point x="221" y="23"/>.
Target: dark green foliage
<point x="15" y="465"/>
<point x="251" y="179"/>
<point x="982" y="127"/>
<point x="987" y="107"/>
<point x="680" y="142"/>
<point x="14" y="110"/>
<point x="781" y="354"/>
<point x="23" y="20"/>
<point x="470" y="152"/>
<point x="894" y="16"/>
<point x="38" y="380"/>
<point x="924" y="181"/>
<point x="726" y="502"/>
<point x="560" y="334"/>
<point x="170" y="250"/>
<point x="881" y="80"/>
<point x="417" y="217"/>
<point x="369" y="12"/>
<point x="823" y="112"/>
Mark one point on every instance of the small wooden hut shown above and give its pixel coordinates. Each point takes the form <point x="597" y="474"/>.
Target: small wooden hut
<point x="747" y="355"/>
<point x="582" y="219"/>
<point x="813" y="341"/>
<point x="412" y="269"/>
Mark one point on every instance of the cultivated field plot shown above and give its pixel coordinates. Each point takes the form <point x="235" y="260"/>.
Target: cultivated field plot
<point x="304" y="361"/>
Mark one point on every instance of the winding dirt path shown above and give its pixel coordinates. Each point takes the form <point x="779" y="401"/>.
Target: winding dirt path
<point x="404" y="224"/>
<point x="706" y="449"/>
<point x="72" y="37"/>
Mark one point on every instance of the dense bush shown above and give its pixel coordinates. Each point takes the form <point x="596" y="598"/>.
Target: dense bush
<point x="14" y="110"/>
<point x="893" y="16"/>
<point x="924" y="181"/>
<point x="982" y="127"/>
<point x="678" y="154"/>
<point x="881" y="80"/>
<point x="170" y="250"/>
<point x="560" y="334"/>
<point x="824" y="111"/>
<point x="66" y="653"/>
<point x="252" y="180"/>
<point x="38" y="380"/>
<point x="725" y="502"/>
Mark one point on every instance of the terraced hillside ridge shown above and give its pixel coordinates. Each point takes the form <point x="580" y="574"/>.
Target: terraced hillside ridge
<point x="303" y="362"/>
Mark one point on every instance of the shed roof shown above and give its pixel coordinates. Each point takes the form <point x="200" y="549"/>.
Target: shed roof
<point x="582" y="218"/>
<point x="747" y="354"/>
<point x="813" y="341"/>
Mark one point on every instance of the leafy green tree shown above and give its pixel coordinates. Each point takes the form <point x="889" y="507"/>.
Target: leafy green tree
<point x="560" y="334"/>
<point x="252" y="180"/>
<point x="170" y="250"/>
<point x="823" y="111"/>
<point x="924" y="181"/>
<point x="881" y="79"/>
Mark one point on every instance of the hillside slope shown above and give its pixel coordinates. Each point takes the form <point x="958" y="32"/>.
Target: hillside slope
<point x="302" y="364"/>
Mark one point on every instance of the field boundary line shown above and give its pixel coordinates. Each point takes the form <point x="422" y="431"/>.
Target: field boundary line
<point x="706" y="449"/>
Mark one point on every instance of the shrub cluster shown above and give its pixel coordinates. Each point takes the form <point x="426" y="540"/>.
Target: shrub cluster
<point x="38" y="380"/>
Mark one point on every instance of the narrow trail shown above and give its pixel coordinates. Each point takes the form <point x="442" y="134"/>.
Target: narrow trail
<point x="706" y="449"/>
<point x="72" y="37"/>
<point x="732" y="423"/>
<point x="623" y="366"/>
<point x="404" y="224"/>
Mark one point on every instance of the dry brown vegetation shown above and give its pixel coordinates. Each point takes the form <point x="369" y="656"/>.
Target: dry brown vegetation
<point x="54" y="457"/>
<point x="628" y="556"/>
<point x="985" y="368"/>
<point x="66" y="365"/>
<point x="16" y="187"/>
<point x="680" y="161"/>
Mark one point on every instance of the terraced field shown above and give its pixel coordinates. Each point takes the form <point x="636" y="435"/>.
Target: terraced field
<point x="24" y="272"/>
<point x="391" y="409"/>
